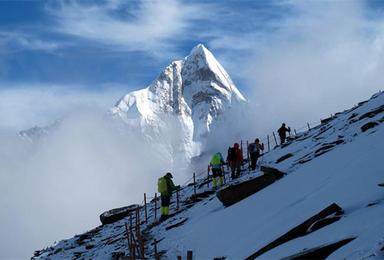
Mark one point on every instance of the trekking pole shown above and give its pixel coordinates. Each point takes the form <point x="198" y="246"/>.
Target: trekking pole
<point x="294" y="130"/>
<point x="155" y="206"/>
<point x="309" y="128"/>
<point x="145" y="208"/>
<point x="249" y="162"/>
<point x="274" y="136"/>
<point x="222" y="169"/>
<point x="177" y="199"/>
<point x="269" y="148"/>
<point x="208" y="177"/>
<point x="194" y="186"/>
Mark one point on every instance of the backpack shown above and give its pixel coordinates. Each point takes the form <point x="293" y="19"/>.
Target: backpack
<point x="162" y="186"/>
<point x="216" y="159"/>
<point x="231" y="154"/>
<point x="252" y="148"/>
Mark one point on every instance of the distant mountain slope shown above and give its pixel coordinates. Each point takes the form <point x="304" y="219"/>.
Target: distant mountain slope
<point x="183" y="106"/>
<point x="339" y="161"/>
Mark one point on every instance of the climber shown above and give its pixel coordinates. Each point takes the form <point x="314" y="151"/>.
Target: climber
<point x="216" y="165"/>
<point x="282" y="133"/>
<point x="165" y="186"/>
<point x="254" y="150"/>
<point x="235" y="160"/>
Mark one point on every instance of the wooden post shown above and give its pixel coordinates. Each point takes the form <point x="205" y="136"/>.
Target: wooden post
<point x="137" y="222"/>
<point x="269" y="148"/>
<point x="155" y="206"/>
<point x="189" y="255"/>
<point x="145" y="208"/>
<point x="194" y="186"/>
<point x="155" y="247"/>
<point x="142" y="248"/>
<point x="129" y="243"/>
<point x="177" y="199"/>
<point x="274" y="136"/>
<point x="208" y="176"/>
<point x="133" y="242"/>
<point x="133" y="245"/>
<point x="309" y="128"/>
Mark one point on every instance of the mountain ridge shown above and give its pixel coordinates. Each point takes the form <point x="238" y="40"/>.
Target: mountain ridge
<point x="338" y="161"/>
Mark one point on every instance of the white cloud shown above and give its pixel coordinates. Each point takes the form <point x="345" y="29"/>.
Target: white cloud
<point x="16" y="41"/>
<point x="57" y="188"/>
<point x="323" y="57"/>
<point x="153" y="27"/>
<point x="25" y="105"/>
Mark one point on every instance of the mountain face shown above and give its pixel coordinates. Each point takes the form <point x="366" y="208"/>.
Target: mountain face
<point x="181" y="109"/>
<point x="337" y="162"/>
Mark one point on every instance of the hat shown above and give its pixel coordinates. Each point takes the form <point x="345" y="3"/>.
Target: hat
<point x="169" y="175"/>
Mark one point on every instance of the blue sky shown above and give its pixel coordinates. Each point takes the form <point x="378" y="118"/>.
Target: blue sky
<point x="41" y="44"/>
<point x="100" y="50"/>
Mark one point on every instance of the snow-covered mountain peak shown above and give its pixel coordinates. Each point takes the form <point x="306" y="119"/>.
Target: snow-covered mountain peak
<point x="193" y="93"/>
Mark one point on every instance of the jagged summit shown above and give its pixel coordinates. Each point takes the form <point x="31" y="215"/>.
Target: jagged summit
<point x="189" y="97"/>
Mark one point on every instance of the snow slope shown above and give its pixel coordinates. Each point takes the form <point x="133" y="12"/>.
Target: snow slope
<point x="182" y="107"/>
<point x="335" y="162"/>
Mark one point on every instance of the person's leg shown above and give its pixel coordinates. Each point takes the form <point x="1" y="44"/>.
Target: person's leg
<point x="163" y="206"/>
<point x="253" y="161"/>
<point x="238" y="169"/>
<point x="167" y="202"/>
<point x="220" y="177"/>
<point x="233" y="168"/>
<point x="214" y="175"/>
<point x="257" y="155"/>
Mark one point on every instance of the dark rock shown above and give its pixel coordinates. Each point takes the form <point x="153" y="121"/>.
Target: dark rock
<point x="114" y="215"/>
<point x="368" y="125"/>
<point x="58" y="250"/>
<point x="327" y="120"/>
<point x="352" y="116"/>
<point x="300" y="230"/>
<point x="320" y="252"/>
<point x="180" y="223"/>
<point x="200" y="196"/>
<point x="284" y="157"/>
<point x="372" y="113"/>
<point x="235" y="193"/>
<point x="323" y="222"/>
<point x="89" y="246"/>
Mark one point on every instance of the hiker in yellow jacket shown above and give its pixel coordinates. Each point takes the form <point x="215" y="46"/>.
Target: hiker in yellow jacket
<point x="165" y="186"/>
<point x="216" y="164"/>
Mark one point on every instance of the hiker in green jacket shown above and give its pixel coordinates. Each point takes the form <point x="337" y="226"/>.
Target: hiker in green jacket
<point x="165" y="186"/>
<point x="216" y="164"/>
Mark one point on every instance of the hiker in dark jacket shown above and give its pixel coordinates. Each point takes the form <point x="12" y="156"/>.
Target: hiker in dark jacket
<point x="282" y="133"/>
<point x="255" y="151"/>
<point x="235" y="160"/>
<point x="166" y="187"/>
